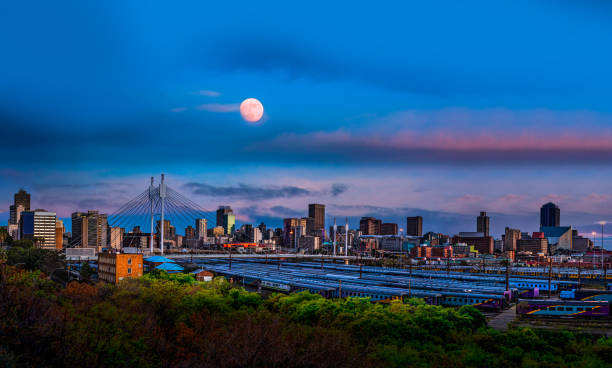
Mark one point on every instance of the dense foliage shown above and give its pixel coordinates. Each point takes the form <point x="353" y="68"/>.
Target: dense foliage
<point x="166" y="320"/>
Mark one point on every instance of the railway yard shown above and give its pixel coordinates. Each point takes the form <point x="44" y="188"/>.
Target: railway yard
<point x="504" y="299"/>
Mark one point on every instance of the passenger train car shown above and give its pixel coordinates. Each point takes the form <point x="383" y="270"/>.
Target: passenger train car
<point x="587" y="294"/>
<point x="562" y="308"/>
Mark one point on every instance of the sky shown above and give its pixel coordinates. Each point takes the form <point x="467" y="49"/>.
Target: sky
<point x="441" y="108"/>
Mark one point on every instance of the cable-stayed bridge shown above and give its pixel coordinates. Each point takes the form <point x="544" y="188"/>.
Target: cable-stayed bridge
<point x="153" y="214"/>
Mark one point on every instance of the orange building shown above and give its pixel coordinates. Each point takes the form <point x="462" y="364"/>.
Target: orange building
<point x="59" y="234"/>
<point x="114" y="267"/>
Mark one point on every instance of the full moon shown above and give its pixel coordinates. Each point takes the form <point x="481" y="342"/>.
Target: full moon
<point x="251" y="110"/>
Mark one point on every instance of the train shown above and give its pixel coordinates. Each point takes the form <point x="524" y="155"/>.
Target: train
<point x="563" y="308"/>
<point x="587" y="294"/>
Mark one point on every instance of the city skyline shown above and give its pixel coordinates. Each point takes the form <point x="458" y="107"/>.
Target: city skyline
<point x="389" y="120"/>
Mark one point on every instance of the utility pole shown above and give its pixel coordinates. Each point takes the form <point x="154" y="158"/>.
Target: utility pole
<point x="230" y="256"/>
<point x="579" y="274"/>
<point x="507" y="275"/>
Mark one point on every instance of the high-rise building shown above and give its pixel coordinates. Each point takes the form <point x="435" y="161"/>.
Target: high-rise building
<point x="201" y="228"/>
<point x="370" y="226"/>
<point x="293" y="228"/>
<point x="21" y="198"/>
<point x="59" y="234"/>
<point x="190" y="232"/>
<point x="550" y="215"/>
<point x="89" y="230"/>
<point x="482" y="223"/>
<point x="414" y="226"/>
<point x="39" y="226"/>
<point x="317" y="212"/>
<point x="115" y="237"/>
<point x="226" y="219"/>
<point x="511" y="238"/>
<point x="388" y="228"/>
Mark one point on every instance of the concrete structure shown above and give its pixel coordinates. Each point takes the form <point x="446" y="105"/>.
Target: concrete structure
<point x="115" y="237"/>
<point x="317" y="213"/>
<point x="414" y="226"/>
<point x="537" y="243"/>
<point x="226" y="219"/>
<point x="579" y="243"/>
<point x="89" y="230"/>
<point x="309" y="242"/>
<point x="59" y="234"/>
<point x="39" y="226"/>
<point x="114" y="267"/>
<point x="511" y="236"/>
<point x="388" y="228"/>
<point x="293" y="228"/>
<point x="190" y="232"/>
<point x="483" y="244"/>
<point x="559" y="238"/>
<point x="550" y="215"/>
<point x="201" y="228"/>
<point x="482" y="223"/>
<point x="21" y="198"/>
<point x="370" y="226"/>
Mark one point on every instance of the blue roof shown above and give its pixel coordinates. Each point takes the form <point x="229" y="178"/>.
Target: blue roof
<point x="158" y="259"/>
<point x="169" y="266"/>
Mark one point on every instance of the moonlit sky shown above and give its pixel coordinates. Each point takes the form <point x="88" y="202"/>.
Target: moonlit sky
<point x="439" y="108"/>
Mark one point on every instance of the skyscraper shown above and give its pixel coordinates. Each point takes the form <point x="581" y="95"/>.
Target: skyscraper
<point x="201" y="228"/>
<point x="414" y="226"/>
<point x="21" y="202"/>
<point x="40" y="227"/>
<point x="550" y="215"/>
<point x="317" y="212"/>
<point x="89" y="229"/>
<point x="370" y="226"/>
<point x="482" y="223"/>
<point x="226" y="219"/>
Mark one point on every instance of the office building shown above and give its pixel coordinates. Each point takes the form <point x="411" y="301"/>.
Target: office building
<point x="114" y="267"/>
<point x="483" y="244"/>
<point x="293" y="228"/>
<point x="559" y="238"/>
<point x="317" y="212"/>
<point x="21" y="198"/>
<point x="89" y="230"/>
<point x="550" y="215"/>
<point x="414" y="226"/>
<point x="39" y="226"/>
<point x="388" y="228"/>
<point x="226" y="219"/>
<point x="201" y="228"/>
<point x="537" y="243"/>
<point x="482" y="223"/>
<point x="370" y="226"/>
<point x="190" y="232"/>
<point x="115" y="237"/>
<point x="59" y="234"/>
<point x="511" y="236"/>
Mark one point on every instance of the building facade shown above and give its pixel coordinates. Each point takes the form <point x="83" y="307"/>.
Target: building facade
<point x="40" y="227"/>
<point x="370" y="226"/>
<point x="550" y="215"/>
<point x="482" y="223"/>
<point x="317" y="212"/>
<point x="414" y="226"/>
<point x="90" y="230"/>
<point x="115" y="267"/>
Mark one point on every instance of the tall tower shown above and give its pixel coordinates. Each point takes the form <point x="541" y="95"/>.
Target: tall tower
<point x="414" y="226"/>
<point x="482" y="223"/>
<point x="550" y="215"/>
<point x="317" y="212"/>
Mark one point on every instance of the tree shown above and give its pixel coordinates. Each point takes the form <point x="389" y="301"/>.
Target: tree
<point x="86" y="272"/>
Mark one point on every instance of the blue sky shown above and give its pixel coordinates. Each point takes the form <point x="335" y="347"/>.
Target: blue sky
<point x="446" y="108"/>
